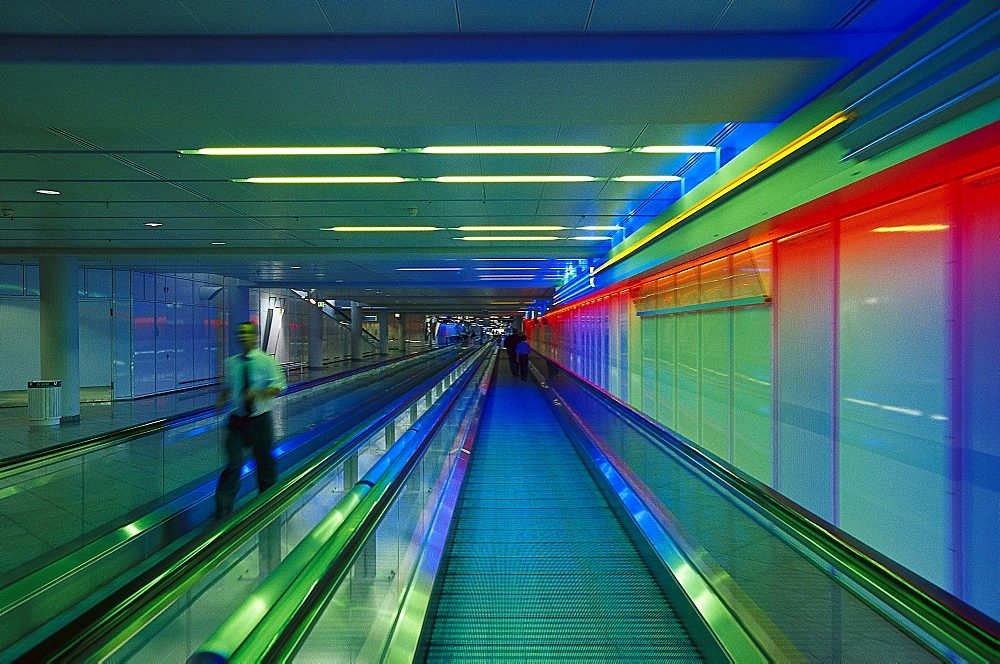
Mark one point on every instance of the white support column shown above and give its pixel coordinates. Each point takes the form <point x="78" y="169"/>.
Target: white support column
<point x="315" y="337"/>
<point x="357" y="318"/>
<point x="237" y="311"/>
<point x="59" y="329"/>
<point x="383" y="331"/>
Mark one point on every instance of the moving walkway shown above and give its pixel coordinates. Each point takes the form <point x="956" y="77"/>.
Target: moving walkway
<point x="523" y="522"/>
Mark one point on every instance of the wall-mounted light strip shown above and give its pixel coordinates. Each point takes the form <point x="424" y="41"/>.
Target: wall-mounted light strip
<point x="921" y="228"/>
<point x="385" y="179"/>
<point x="381" y="229"/>
<point x="805" y="139"/>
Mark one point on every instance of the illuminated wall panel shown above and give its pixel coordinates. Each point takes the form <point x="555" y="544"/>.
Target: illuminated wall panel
<point x="804" y="317"/>
<point x="666" y="370"/>
<point x="714" y="379"/>
<point x="893" y="400"/>
<point x="649" y="344"/>
<point x="751" y="384"/>
<point x="688" y="375"/>
<point x="978" y="480"/>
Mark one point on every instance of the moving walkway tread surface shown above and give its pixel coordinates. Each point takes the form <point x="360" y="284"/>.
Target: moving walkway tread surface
<point x="537" y="565"/>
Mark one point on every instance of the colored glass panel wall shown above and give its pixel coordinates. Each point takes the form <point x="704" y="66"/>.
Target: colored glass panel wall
<point x="804" y="317"/>
<point x="714" y="379"/>
<point x="666" y="370"/>
<point x="893" y="400"/>
<point x="688" y="375"/>
<point x="978" y="479"/>
<point x="751" y="383"/>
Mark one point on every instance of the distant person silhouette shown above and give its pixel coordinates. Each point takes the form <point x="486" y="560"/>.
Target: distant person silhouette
<point x="523" y="350"/>
<point x="252" y="380"/>
<point x="510" y="343"/>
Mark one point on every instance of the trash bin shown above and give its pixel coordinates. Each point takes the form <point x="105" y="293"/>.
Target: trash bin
<point x="44" y="402"/>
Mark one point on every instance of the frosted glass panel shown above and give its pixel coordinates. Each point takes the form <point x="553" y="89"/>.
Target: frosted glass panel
<point x="752" y="391"/>
<point x="714" y="370"/>
<point x="649" y="365"/>
<point x="893" y="382"/>
<point x="804" y="317"/>
<point x="666" y="379"/>
<point x="688" y="337"/>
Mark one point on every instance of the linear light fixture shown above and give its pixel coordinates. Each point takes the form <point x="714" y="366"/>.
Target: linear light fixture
<point x="921" y="228"/>
<point x="511" y="228"/>
<point x="590" y="237"/>
<point x="367" y="179"/>
<point x="515" y="178"/>
<point x="501" y="238"/>
<point x="428" y="269"/>
<point x="284" y="151"/>
<point x="505" y="277"/>
<point x="678" y="149"/>
<point x="600" y="228"/>
<point x="381" y="229"/>
<point x="526" y="267"/>
<point x="647" y="178"/>
<point x="508" y="259"/>
<point x="516" y="149"/>
<point x="48" y="192"/>
<point x="819" y="130"/>
<point x="508" y="302"/>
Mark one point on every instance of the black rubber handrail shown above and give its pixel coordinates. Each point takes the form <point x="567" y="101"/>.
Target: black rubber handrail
<point x="68" y="450"/>
<point x="958" y="626"/>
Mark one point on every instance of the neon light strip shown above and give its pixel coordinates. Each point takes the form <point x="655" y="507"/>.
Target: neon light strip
<point x="799" y="143"/>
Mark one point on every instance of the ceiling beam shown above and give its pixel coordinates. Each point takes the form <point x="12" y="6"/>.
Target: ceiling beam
<point x="448" y="48"/>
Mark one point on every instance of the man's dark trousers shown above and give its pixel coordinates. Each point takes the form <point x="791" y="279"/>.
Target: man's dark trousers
<point x="257" y="433"/>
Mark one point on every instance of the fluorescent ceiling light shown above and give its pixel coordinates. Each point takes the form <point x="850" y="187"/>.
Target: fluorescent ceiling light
<point x="922" y="228"/>
<point x="504" y="277"/>
<point x="266" y="151"/>
<point x="600" y="228"/>
<point x="218" y="243"/>
<point x="590" y="237"/>
<point x="515" y="178"/>
<point x="381" y="229"/>
<point x="428" y="269"/>
<point x="516" y="149"/>
<point x="508" y="259"/>
<point x="48" y="192"/>
<point x="678" y="149"/>
<point x="648" y="178"/>
<point x="526" y="267"/>
<point x="510" y="238"/>
<point x="325" y="180"/>
<point x="508" y="302"/>
<point x="509" y="228"/>
<point x="152" y="224"/>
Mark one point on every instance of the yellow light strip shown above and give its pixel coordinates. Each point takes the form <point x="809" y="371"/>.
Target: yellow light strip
<point x="381" y="229"/>
<point x="800" y="142"/>
<point x="511" y="228"/>
<point x="515" y="178"/>
<point x="516" y="149"/>
<point x="283" y="151"/>
<point x="923" y="228"/>
<point x="325" y="180"/>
